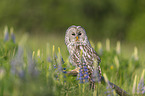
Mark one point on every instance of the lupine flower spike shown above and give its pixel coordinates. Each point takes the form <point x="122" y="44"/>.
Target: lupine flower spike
<point x="141" y="87"/>
<point x="107" y="45"/>
<point x="33" y="54"/>
<point x="116" y="61"/>
<point x="100" y="49"/>
<point x="118" y="48"/>
<point x="80" y="75"/>
<point x="83" y="75"/>
<point x="38" y="53"/>
<point x="31" y="65"/>
<point x="12" y="34"/>
<point x="54" y="55"/>
<point x="2" y="73"/>
<point x="6" y="34"/>
<point x="17" y="63"/>
<point x="134" y="85"/>
<point x="135" y="54"/>
<point x="59" y="60"/>
<point x="53" y="51"/>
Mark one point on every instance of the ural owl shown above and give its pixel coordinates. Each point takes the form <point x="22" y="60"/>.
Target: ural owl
<point x="76" y="40"/>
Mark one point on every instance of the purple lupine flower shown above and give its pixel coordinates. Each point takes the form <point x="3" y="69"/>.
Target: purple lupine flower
<point x="54" y="66"/>
<point x="143" y="90"/>
<point x="31" y="65"/>
<point x="62" y="61"/>
<point x="86" y="78"/>
<point x="58" y="67"/>
<point x="58" y="73"/>
<point x="81" y="80"/>
<point x="83" y="75"/>
<point x="21" y="74"/>
<point x="85" y="68"/>
<point x="80" y="75"/>
<point x="81" y="72"/>
<point x="64" y="74"/>
<point x="55" y="56"/>
<point x="59" y="60"/>
<point x="64" y="70"/>
<point x="6" y="34"/>
<point x="141" y="87"/>
<point x="110" y="91"/>
<point x="86" y="74"/>
<point x="49" y="59"/>
<point x="17" y="63"/>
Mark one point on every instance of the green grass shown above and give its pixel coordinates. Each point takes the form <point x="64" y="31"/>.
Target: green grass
<point x="25" y="71"/>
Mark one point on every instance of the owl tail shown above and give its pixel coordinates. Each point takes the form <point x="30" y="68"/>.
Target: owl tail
<point x="95" y="76"/>
<point x="92" y="85"/>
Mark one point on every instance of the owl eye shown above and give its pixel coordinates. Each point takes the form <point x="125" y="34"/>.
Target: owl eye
<point x="73" y="34"/>
<point x="80" y="34"/>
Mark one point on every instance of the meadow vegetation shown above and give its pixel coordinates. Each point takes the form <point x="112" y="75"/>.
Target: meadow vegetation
<point x="36" y="65"/>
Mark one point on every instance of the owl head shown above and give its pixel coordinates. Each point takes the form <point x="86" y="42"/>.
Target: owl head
<point x="76" y="35"/>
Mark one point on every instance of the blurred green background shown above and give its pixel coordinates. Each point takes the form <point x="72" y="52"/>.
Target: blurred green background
<point x="117" y="19"/>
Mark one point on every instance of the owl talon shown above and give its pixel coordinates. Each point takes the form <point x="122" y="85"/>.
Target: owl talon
<point x="76" y="70"/>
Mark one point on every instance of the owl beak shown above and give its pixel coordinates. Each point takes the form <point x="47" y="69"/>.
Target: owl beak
<point x="77" y="38"/>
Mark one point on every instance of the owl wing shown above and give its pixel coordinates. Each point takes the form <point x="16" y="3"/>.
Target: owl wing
<point x="96" y="56"/>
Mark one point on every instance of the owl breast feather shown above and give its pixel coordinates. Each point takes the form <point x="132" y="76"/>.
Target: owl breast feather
<point x="87" y="55"/>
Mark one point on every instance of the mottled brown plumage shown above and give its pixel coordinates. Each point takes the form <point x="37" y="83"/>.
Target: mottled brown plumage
<point x="77" y="40"/>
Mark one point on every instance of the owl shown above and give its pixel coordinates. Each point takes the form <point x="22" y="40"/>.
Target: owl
<point x="77" y="41"/>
